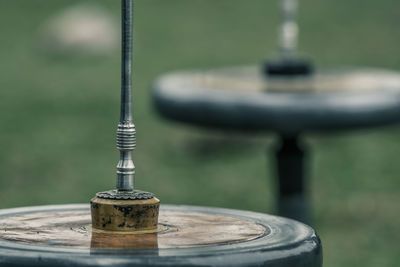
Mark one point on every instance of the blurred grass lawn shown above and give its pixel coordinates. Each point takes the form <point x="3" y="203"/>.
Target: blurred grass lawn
<point x="58" y="117"/>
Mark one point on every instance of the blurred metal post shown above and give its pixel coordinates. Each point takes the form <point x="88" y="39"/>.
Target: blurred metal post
<point x="291" y="163"/>
<point x="293" y="200"/>
<point x="288" y="30"/>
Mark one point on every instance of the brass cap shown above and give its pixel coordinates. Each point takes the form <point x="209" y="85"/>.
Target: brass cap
<point x="124" y="215"/>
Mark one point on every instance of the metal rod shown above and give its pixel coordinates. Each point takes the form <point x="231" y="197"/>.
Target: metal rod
<point x="126" y="61"/>
<point x="292" y="159"/>
<point x="288" y="30"/>
<point x="126" y="133"/>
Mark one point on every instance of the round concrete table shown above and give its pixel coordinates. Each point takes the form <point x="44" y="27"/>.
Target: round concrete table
<point x="243" y="98"/>
<point x="61" y="235"/>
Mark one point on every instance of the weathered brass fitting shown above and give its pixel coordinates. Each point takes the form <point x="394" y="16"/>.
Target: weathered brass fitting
<point x="139" y="215"/>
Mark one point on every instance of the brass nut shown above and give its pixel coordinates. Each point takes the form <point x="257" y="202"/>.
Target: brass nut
<point x="124" y="215"/>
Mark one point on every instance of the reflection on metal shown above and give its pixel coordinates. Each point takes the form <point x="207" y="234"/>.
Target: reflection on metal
<point x="125" y="209"/>
<point x="161" y="228"/>
<point x="115" y="241"/>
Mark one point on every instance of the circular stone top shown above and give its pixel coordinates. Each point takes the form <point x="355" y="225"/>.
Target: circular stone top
<point x="50" y="235"/>
<point x="243" y="98"/>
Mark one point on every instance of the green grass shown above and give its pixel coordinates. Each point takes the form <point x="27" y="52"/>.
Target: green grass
<point x="58" y="117"/>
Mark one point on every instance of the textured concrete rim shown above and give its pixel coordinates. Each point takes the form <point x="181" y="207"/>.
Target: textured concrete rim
<point x="288" y="240"/>
<point x="177" y="98"/>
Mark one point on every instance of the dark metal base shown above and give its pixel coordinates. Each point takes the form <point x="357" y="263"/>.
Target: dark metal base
<point x="285" y="242"/>
<point x="289" y="68"/>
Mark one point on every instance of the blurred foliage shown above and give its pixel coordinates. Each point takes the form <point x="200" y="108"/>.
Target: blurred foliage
<point x="58" y="117"/>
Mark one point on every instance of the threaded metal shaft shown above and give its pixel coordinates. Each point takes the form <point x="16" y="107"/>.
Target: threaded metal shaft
<point x="126" y="133"/>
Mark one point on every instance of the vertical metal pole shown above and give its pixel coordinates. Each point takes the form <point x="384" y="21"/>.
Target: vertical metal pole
<point x="288" y="31"/>
<point x="293" y="199"/>
<point x="126" y="133"/>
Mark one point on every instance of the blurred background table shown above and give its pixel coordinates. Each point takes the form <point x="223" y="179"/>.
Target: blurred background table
<point x="244" y="99"/>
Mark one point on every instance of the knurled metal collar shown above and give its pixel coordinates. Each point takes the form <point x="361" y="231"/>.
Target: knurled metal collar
<point x="127" y="195"/>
